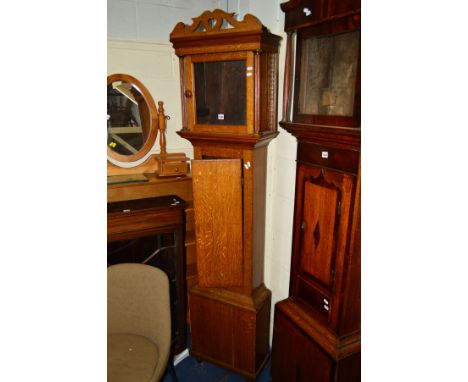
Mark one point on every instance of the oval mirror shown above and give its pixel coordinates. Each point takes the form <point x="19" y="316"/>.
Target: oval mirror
<point x="131" y="118"/>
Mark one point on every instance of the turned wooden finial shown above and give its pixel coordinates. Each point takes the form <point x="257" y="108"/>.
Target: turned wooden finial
<point x="162" y="127"/>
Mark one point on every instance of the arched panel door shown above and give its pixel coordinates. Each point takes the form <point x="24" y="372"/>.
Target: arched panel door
<point x="320" y="232"/>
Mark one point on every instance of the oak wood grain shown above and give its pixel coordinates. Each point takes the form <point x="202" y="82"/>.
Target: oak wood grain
<point x="218" y="220"/>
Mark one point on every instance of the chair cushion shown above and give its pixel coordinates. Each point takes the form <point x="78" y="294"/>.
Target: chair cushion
<point x="130" y="358"/>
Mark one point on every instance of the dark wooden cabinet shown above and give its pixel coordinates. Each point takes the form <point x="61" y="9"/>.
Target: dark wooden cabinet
<point x="321" y="317"/>
<point x="229" y="76"/>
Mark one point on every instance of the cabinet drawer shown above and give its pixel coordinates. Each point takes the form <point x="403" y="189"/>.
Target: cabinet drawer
<point x="173" y="168"/>
<point x="326" y="156"/>
<point x="142" y="220"/>
<point x="142" y="214"/>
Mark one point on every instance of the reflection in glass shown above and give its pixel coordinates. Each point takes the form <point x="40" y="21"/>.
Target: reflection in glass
<point x="128" y="118"/>
<point x="220" y="92"/>
<point x="328" y="73"/>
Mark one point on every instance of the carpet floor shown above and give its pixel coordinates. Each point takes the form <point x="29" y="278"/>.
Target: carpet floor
<point x="190" y="370"/>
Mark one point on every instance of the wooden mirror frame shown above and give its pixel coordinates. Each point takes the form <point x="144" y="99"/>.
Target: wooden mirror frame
<point x="153" y="132"/>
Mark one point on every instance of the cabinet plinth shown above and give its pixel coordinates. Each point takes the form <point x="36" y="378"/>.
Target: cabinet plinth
<point x="229" y="85"/>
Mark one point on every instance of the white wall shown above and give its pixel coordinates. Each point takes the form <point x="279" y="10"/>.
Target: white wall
<point x="152" y="19"/>
<point x="125" y="21"/>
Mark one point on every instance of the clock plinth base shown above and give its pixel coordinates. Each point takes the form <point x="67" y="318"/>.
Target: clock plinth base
<point x="231" y="329"/>
<point x="305" y="349"/>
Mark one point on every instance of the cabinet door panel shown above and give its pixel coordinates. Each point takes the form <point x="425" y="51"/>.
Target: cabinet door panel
<point x="321" y="225"/>
<point x="320" y="205"/>
<point x="217" y="199"/>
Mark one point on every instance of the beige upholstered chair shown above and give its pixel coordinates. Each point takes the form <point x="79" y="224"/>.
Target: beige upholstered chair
<point x="138" y="323"/>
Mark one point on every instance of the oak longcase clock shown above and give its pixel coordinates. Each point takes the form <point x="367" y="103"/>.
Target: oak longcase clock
<point x="229" y="86"/>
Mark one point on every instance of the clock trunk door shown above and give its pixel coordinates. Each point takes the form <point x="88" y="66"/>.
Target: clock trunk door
<point x="320" y="229"/>
<point x="217" y="199"/>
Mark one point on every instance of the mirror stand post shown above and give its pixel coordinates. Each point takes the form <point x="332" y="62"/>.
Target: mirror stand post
<point x="174" y="164"/>
<point x="162" y="127"/>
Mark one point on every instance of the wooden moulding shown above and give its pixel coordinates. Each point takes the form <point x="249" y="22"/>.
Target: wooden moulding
<point x="240" y="300"/>
<point x="346" y="137"/>
<point x="219" y="31"/>
<point x="248" y="141"/>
